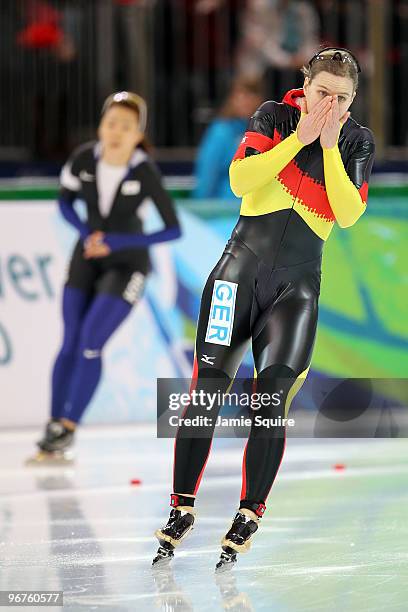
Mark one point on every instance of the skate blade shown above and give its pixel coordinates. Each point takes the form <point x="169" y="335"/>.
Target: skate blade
<point x="226" y="561"/>
<point x="224" y="566"/>
<point x="46" y="458"/>
<point x="162" y="562"/>
<point x="163" y="557"/>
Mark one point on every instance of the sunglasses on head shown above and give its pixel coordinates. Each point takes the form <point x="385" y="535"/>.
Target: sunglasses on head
<point x="339" y="55"/>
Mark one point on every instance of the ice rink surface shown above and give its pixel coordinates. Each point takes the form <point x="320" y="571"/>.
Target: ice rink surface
<point x="331" y="539"/>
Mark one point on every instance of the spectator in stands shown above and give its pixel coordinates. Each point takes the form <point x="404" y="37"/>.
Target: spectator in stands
<point x="222" y="137"/>
<point x="278" y="37"/>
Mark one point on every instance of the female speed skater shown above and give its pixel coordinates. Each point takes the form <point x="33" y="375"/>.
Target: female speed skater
<point x="110" y="261"/>
<point x="303" y="164"/>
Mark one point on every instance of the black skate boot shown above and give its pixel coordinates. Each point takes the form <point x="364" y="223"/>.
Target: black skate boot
<point x="237" y="540"/>
<point x="180" y="523"/>
<point x="54" y="446"/>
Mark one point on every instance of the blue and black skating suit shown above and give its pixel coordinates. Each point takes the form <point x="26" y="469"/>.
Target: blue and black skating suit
<point x="100" y="292"/>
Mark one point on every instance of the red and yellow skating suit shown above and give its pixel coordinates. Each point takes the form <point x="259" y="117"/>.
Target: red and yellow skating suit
<point x="321" y="185"/>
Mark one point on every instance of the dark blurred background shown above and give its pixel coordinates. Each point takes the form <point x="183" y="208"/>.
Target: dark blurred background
<point x="59" y="59"/>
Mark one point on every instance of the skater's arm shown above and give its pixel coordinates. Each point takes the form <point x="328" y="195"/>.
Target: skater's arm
<point x="70" y="187"/>
<point x="347" y="185"/>
<point x="253" y="172"/>
<point x="117" y="242"/>
<point x="153" y="188"/>
<point x="261" y="154"/>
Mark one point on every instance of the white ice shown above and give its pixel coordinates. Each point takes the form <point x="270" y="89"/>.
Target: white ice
<point x="331" y="540"/>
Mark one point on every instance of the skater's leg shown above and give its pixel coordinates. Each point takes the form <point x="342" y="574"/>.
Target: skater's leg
<point x="74" y="305"/>
<point x="190" y="458"/>
<point x="77" y="295"/>
<point x="191" y="454"/>
<point x="104" y="316"/>
<point x="227" y="295"/>
<point x="265" y="447"/>
<point x="282" y="355"/>
<point x="117" y="292"/>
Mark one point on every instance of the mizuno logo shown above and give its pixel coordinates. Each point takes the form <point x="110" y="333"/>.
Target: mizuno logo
<point x="208" y="359"/>
<point x="90" y="354"/>
<point x="86" y="177"/>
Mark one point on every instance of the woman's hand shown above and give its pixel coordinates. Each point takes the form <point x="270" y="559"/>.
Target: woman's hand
<point x="94" y="239"/>
<point x="332" y="125"/>
<point x="311" y="124"/>
<point x="94" y="247"/>
<point x="97" y="251"/>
